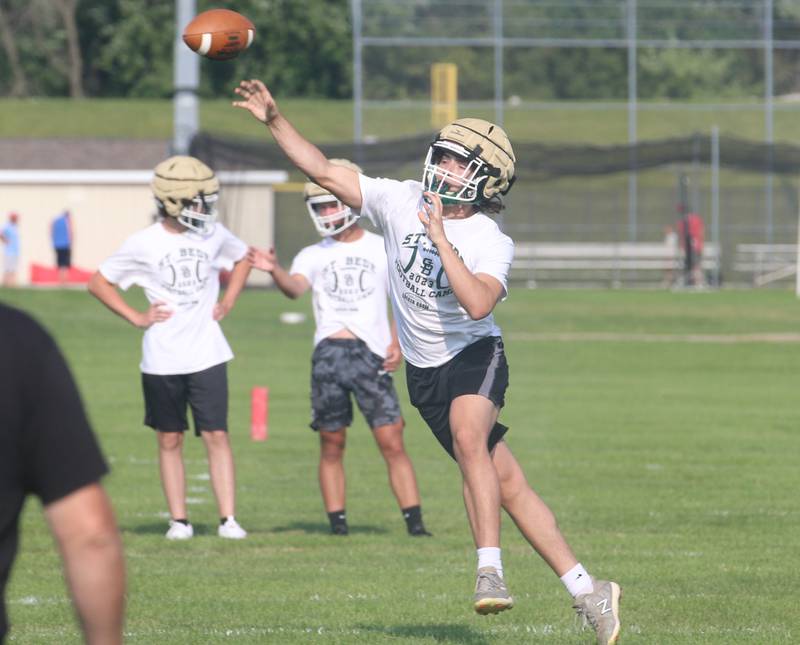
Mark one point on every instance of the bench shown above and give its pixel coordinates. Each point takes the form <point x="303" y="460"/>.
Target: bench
<point x="766" y="263"/>
<point x="605" y="263"/>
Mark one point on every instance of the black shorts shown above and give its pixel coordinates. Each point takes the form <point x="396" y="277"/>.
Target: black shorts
<point x="341" y="366"/>
<point x="206" y="393"/>
<point x="64" y="258"/>
<point x="480" y="368"/>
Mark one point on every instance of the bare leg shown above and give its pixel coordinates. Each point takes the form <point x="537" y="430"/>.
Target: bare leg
<point x="532" y="516"/>
<point x="173" y="481"/>
<point x="221" y="469"/>
<point x="331" y="469"/>
<point x="471" y="419"/>
<point x="401" y="472"/>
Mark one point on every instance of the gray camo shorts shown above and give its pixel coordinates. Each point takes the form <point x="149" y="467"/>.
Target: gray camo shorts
<point x="341" y="366"/>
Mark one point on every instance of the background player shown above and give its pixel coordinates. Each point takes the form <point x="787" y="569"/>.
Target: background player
<point x="177" y="261"/>
<point x="354" y="348"/>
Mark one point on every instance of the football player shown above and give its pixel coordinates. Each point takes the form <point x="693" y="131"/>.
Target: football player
<point x="448" y="268"/>
<point x="177" y="261"/>
<point x="355" y="349"/>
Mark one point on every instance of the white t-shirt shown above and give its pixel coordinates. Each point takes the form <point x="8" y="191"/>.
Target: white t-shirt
<point x="349" y="286"/>
<point x="432" y="326"/>
<point x="182" y="270"/>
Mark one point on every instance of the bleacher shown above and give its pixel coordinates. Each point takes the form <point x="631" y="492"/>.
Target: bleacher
<point x="608" y="264"/>
<point x="766" y="263"/>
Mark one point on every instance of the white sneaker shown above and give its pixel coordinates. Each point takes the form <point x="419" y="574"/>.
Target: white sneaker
<point x="231" y="530"/>
<point x="179" y="531"/>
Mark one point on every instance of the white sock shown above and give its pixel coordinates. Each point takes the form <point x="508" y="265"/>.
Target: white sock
<point x="489" y="556"/>
<point x="577" y="581"/>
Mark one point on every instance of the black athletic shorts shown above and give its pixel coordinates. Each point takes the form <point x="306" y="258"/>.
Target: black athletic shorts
<point x="480" y="368"/>
<point x="64" y="258"/>
<point x="341" y="366"/>
<point x="206" y="393"/>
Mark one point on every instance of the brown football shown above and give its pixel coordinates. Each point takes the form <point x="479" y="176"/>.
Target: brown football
<point x="219" y="34"/>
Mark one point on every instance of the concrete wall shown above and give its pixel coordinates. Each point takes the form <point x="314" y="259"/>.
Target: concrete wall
<point x="107" y="206"/>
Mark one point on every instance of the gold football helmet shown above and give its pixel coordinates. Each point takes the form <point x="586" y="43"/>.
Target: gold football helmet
<point x="318" y="202"/>
<point x="489" y="162"/>
<point x="187" y="189"/>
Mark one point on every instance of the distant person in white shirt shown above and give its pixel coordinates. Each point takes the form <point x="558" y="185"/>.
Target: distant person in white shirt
<point x="177" y="261"/>
<point x="355" y="349"/>
<point x="448" y="268"/>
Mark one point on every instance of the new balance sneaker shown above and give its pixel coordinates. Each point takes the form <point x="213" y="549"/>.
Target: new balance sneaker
<point x="601" y="610"/>
<point x="491" y="594"/>
<point x="179" y="531"/>
<point x="230" y="529"/>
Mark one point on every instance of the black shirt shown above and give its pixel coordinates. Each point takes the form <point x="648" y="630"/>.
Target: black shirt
<point x="46" y="445"/>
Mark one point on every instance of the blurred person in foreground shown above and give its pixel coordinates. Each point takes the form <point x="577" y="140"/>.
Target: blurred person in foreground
<point x="177" y="261"/>
<point x="448" y="267"/>
<point x="355" y="348"/>
<point x="47" y="449"/>
<point x="10" y="238"/>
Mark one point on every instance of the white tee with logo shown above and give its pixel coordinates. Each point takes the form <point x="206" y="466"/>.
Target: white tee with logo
<point x="349" y="288"/>
<point x="432" y="326"/>
<point x="181" y="270"/>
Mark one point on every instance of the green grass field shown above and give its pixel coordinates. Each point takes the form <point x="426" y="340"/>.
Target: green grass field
<point x="662" y="432"/>
<point x="332" y="121"/>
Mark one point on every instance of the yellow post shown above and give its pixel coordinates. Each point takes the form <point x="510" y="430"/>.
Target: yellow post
<point x="444" y="94"/>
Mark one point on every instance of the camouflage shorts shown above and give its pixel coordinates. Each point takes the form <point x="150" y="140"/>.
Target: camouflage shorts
<point x="341" y="366"/>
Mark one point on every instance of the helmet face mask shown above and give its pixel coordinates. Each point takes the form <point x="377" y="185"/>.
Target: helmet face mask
<point x="486" y="162"/>
<point x="460" y="185"/>
<point x="200" y="213"/>
<point x="327" y="221"/>
<point x="319" y="203"/>
<point x="187" y="189"/>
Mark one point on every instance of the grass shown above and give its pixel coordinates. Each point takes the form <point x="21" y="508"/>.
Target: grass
<point x="331" y="121"/>
<point x="671" y="466"/>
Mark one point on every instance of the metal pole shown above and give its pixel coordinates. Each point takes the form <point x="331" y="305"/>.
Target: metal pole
<point x="715" y="199"/>
<point x="632" y="107"/>
<point x="358" y="80"/>
<point x="498" y="63"/>
<point x="186" y="76"/>
<point x="768" y="113"/>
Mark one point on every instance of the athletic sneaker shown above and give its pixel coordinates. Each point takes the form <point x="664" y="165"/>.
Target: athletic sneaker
<point x="418" y="530"/>
<point x="340" y="529"/>
<point x="179" y="531"/>
<point x="491" y="594"/>
<point x="601" y="610"/>
<point x="230" y="529"/>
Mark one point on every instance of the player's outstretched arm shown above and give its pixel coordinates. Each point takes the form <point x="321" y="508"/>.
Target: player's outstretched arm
<point x="107" y="293"/>
<point x="292" y="286"/>
<point x="341" y="181"/>
<point x="84" y="527"/>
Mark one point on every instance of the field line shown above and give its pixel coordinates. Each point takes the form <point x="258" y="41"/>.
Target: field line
<point x="633" y="337"/>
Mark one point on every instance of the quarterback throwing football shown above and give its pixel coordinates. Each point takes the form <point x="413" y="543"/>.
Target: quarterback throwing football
<point x="448" y="268"/>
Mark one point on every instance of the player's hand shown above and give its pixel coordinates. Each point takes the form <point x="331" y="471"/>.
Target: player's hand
<point x="393" y="358"/>
<point x="221" y="310"/>
<point x="156" y="312"/>
<point x="261" y="259"/>
<point x="257" y="100"/>
<point x="431" y="217"/>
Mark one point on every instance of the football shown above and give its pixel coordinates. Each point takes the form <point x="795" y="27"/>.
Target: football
<point x="219" y="34"/>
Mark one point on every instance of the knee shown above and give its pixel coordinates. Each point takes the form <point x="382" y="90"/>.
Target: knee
<point x="468" y="446"/>
<point x="170" y="441"/>
<point x="216" y="439"/>
<point x="332" y="445"/>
